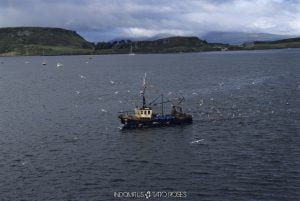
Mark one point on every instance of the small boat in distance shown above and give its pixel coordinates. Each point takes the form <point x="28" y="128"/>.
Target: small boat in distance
<point x="131" y="52"/>
<point x="145" y="117"/>
<point x="59" y="64"/>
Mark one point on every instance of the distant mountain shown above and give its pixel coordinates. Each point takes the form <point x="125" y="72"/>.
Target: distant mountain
<point x="33" y="40"/>
<point x="236" y="38"/>
<point x="159" y="36"/>
<point x="145" y="38"/>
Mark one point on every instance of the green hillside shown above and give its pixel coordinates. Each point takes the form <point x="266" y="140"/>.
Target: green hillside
<point x="35" y="40"/>
<point x="165" y="45"/>
<point x="278" y="44"/>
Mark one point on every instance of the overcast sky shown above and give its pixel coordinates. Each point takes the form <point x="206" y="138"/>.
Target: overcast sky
<point x="99" y="20"/>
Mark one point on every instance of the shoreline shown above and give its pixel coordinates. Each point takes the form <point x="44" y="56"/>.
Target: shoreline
<point x="13" y="54"/>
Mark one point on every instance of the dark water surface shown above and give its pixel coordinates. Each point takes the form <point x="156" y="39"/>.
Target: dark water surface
<point x="60" y="136"/>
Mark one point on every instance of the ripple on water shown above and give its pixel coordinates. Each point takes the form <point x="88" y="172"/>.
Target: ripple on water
<point x="59" y="137"/>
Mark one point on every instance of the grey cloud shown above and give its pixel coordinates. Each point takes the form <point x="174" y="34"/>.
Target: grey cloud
<point x="108" y="19"/>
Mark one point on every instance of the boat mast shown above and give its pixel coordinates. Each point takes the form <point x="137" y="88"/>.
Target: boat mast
<point x="162" y="104"/>
<point x="144" y="90"/>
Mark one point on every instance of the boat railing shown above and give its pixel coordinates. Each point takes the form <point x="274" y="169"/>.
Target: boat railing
<point x="126" y="112"/>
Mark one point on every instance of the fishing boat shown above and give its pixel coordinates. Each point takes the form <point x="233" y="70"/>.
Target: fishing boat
<point x="144" y="116"/>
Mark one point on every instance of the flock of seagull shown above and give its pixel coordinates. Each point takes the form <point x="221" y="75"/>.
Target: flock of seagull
<point x="112" y="82"/>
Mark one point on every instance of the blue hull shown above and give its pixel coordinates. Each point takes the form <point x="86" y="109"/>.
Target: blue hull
<point x="131" y="124"/>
